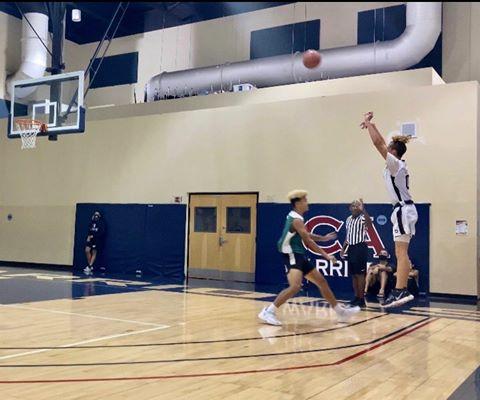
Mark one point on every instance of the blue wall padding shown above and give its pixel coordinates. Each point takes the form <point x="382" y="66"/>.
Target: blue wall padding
<point x="152" y="238"/>
<point x="147" y="237"/>
<point x="271" y="217"/>
<point x="165" y="239"/>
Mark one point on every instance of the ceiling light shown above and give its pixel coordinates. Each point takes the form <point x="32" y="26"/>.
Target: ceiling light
<point x="76" y="15"/>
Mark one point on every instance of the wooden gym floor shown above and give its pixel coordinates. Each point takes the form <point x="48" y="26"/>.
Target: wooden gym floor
<point x="67" y="337"/>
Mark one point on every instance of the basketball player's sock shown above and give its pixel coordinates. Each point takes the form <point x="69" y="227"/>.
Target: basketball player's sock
<point x="272" y="308"/>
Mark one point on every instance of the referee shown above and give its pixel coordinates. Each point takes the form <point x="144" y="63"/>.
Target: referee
<point x="356" y="249"/>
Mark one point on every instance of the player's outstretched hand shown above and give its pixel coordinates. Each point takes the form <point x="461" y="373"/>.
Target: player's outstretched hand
<point x="361" y="205"/>
<point x="367" y="118"/>
<point x="330" y="236"/>
<point x="332" y="259"/>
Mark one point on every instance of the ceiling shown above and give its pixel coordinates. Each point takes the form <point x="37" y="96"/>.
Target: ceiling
<point x="143" y="16"/>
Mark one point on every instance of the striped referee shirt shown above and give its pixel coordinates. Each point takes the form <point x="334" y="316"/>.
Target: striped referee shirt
<point x="356" y="230"/>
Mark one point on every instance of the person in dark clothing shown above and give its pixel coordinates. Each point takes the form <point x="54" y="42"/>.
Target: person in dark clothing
<point x="95" y="239"/>
<point x="356" y="250"/>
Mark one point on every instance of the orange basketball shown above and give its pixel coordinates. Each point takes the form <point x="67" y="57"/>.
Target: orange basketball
<point x="311" y="58"/>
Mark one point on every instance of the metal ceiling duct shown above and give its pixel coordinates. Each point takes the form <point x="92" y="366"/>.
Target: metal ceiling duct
<point x="423" y="26"/>
<point x="34" y="54"/>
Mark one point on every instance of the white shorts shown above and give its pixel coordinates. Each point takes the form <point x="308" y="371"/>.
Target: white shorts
<point x="403" y="220"/>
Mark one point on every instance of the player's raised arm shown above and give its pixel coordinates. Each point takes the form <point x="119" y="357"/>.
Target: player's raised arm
<point x="377" y="139"/>
<point x="299" y="226"/>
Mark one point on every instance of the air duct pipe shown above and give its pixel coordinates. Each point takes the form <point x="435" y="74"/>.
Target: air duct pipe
<point x="423" y="26"/>
<point x="34" y="54"/>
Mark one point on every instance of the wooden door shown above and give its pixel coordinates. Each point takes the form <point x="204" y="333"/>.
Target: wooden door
<point x="222" y="232"/>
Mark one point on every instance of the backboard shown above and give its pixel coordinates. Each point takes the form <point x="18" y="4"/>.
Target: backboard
<point x="55" y="100"/>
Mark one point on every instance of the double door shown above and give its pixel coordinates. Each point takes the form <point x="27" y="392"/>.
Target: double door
<point x="222" y="232"/>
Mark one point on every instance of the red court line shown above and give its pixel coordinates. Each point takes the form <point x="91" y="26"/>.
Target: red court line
<point x="254" y="371"/>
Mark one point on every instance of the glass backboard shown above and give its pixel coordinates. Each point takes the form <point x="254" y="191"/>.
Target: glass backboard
<point x="55" y="100"/>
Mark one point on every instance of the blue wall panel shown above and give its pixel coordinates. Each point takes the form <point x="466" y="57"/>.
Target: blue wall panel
<point x="20" y="109"/>
<point x="389" y="23"/>
<point x="121" y="69"/>
<point x="279" y="40"/>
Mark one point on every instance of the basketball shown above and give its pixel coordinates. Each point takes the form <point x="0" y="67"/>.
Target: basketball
<point x="311" y="58"/>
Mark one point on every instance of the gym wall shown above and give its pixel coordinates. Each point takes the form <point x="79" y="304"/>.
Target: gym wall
<point x="242" y="145"/>
<point x="229" y="39"/>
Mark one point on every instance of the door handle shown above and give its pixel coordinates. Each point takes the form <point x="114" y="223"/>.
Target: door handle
<point x="222" y="241"/>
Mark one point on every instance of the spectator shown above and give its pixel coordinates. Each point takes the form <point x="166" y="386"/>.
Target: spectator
<point x="378" y="275"/>
<point x="95" y="240"/>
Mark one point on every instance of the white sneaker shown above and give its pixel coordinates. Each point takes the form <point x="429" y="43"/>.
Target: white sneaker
<point x="87" y="271"/>
<point x="269" y="332"/>
<point x="269" y="317"/>
<point x="345" y="313"/>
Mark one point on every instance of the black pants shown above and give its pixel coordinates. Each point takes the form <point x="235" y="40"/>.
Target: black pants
<point x="357" y="256"/>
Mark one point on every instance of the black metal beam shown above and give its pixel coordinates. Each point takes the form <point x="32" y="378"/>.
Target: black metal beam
<point x="57" y="15"/>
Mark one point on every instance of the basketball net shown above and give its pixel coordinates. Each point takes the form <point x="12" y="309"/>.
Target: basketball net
<point x="29" y="129"/>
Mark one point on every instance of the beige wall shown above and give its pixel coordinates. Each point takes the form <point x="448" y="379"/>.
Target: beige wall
<point x="461" y="37"/>
<point x="476" y="228"/>
<point x="152" y="158"/>
<point x="39" y="234"/>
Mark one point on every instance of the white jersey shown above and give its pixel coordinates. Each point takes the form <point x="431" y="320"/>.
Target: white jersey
<point x="396" y="179"/>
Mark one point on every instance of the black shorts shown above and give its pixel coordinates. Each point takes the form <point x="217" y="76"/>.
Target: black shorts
<point x="93" y="244"/>
<point x="297" y="261"/>
<point x="357" y="256"/>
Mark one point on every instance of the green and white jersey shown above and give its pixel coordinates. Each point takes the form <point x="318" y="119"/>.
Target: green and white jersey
<point x="291" y="242"/>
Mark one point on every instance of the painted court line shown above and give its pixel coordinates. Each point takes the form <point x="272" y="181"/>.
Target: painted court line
<point x="216" y="358"/>
<point x="84" y="315"/>
<point x="415" y="327"/>
<point x="194" y="342"/>
<point x="27" y="353"/>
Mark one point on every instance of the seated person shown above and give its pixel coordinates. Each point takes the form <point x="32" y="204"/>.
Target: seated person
<point x="378" y="275"/>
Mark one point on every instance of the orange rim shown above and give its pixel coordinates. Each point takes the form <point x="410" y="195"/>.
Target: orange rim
<point x="26" y="123"/>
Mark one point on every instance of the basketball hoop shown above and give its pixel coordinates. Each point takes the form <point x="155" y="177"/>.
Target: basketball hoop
<point x="29" y="129"/>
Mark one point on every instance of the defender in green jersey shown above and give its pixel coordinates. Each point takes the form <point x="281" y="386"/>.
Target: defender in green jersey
<point x="298" y="265"/>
